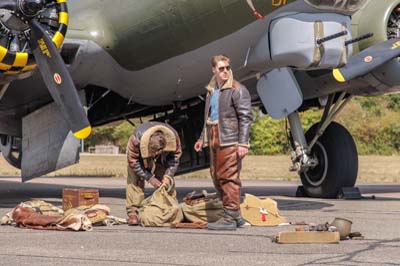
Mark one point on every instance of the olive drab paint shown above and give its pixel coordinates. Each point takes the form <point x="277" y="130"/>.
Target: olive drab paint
<point x="163" y="29"/>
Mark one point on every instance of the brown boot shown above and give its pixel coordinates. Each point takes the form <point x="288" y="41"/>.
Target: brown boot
<point x="133" y="219"/>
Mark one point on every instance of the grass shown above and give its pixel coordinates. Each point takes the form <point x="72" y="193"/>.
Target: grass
<point x="90" y="165"/>
<point x="371" y="168"/>
<point x="258" y="167"/>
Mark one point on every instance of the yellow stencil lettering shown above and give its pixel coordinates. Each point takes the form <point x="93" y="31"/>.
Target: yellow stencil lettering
<point x="278" y="2"/>
<point x="43" y="48"/>
<point x="396" y="45"/>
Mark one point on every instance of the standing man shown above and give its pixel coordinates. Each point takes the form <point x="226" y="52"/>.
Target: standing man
<point x="226" y="131"/>
<point x="153" y="153"/>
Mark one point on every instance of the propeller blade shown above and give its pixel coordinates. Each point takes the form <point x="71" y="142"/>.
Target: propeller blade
<point x="9" y="5"/>
<point x="58" y="80"/>
<point x="367" y="60"/>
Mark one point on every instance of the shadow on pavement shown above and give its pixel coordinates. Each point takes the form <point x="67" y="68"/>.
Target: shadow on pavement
<point x="13" y="192"/>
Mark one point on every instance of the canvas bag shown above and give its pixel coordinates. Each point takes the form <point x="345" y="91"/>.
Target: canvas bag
<point x="205" y="209"/>
<point x="160" y="209"/>
<point x="97" y="214"/>
<point x="261" y="211"/>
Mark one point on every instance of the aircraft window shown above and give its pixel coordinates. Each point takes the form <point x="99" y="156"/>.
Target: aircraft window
<point x="338" y="5"/>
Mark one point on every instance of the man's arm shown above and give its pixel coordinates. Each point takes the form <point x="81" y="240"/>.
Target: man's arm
<point x="133" y="155"/>
<point x="242" y="102"/>
<point x="173" y="161"/>
<point x="198" y="146"/>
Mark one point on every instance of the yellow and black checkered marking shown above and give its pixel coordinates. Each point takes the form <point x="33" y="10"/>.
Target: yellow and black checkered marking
<point x="12" y="63"/>
<point x="59" y="36"/>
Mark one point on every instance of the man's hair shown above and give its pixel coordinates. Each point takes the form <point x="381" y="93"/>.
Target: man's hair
<point x="157" y="142"/>
<point x="216" y="58"/>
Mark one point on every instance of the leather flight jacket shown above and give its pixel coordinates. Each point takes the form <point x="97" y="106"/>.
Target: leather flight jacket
<point x="138" y="154"/>
<point x="234" y="114"/>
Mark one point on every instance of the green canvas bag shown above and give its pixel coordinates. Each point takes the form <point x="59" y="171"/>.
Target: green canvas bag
<point x="160" y="209"/>
<point x="204" y="209"/>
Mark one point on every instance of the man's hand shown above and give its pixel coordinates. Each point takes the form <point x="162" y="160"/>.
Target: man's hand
<point x="166" y="180"/>
<point x="198" y="146"/>
<point x="242" y="151"/>
<point x="154" y="182"/>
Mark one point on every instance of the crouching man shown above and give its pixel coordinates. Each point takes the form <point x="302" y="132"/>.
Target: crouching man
<point x="153" y="154"/>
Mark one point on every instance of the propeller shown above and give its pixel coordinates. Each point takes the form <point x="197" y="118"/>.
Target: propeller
<point x="367" y="60"/>
<point x="52" y="67"/>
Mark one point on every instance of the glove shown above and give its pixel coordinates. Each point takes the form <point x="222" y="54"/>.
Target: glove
<point x="154" y="182"/>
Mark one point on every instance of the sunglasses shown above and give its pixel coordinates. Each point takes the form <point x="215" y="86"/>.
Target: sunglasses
<point x="221" y="69"/>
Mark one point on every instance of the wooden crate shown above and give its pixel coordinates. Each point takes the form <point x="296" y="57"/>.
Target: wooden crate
<point x="79" y="197"/>
<point x="307" y="237"/>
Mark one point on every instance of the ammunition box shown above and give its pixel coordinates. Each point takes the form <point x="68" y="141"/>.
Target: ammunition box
<point x="73" y="198"/>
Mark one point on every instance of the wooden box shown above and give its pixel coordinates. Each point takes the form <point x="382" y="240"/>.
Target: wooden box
<point x="307" y="237"/>
<point x="79" y="197"/>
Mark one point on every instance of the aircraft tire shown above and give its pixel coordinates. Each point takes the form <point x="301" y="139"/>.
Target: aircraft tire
<point x="338" y="162"/>
<point x="11" y="153"/>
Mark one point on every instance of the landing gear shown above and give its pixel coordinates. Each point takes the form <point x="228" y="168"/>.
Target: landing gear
<point x="337" y="166"/>
<point x="11" y="149"/>
<point x="326" y="156"/>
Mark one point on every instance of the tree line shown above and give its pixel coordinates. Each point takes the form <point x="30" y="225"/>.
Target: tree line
<point x="374" y="123"/>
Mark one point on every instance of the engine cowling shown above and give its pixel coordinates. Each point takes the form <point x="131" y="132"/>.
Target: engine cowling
<point x="382" y="18"/>
<point x="378" y="17"/>
<point x="16" y="55"/>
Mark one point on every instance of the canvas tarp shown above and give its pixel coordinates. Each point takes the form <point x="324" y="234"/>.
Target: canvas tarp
<point x="261" y="211"/>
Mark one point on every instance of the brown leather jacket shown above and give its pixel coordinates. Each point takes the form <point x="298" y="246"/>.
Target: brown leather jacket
<point x="234" y="114"/>
<point x="139" y="159"/>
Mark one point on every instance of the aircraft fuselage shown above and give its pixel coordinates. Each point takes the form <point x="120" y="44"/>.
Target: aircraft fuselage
<point x="139" y="34"/>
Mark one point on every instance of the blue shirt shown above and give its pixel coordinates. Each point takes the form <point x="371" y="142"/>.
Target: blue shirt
<point x="214" y="105"/>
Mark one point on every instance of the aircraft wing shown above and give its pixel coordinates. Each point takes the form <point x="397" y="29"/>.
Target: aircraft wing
<point x="368" y="60"/>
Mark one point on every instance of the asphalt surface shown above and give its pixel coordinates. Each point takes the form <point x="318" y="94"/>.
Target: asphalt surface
<point x="377" y="219"/>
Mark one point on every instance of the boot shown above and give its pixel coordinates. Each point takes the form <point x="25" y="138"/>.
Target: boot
<point x="133" y="220"/>
<point x="228" y="222"/>
<point x="242" y="223"/>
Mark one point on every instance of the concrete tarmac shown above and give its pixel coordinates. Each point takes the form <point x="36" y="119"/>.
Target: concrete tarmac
<point x="377" y="219"/>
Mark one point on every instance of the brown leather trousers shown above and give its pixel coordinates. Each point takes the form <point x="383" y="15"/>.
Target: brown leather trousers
<point x="225" y="170"/>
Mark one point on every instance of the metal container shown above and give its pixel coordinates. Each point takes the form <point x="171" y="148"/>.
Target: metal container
<point x="343" y="226"/>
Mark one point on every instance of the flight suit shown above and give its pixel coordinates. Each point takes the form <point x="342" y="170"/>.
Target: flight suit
<point x="142" y="167"/>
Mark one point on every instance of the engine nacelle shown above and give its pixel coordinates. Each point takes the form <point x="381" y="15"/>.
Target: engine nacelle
<point x="382" y="19"/>
<point x="378" y="17"/>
